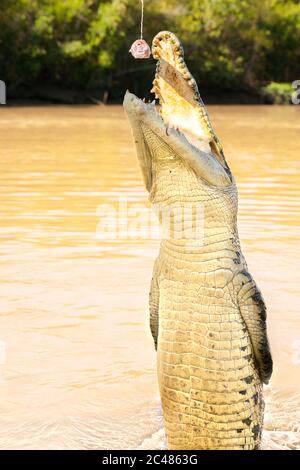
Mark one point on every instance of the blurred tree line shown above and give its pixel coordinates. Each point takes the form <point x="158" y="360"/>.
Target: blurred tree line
<point x="77" y="50"/>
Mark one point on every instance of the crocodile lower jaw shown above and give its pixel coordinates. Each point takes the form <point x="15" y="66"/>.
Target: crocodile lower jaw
<point x="141" y="111"/>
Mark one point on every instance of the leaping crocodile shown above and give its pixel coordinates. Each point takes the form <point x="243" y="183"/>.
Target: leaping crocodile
<point x="207" y="316"/>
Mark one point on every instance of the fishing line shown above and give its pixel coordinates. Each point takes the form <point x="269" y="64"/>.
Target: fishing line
<point x="140" y="49"/>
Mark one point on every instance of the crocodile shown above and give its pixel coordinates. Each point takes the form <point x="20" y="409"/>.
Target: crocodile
<point x="207" y="315"/>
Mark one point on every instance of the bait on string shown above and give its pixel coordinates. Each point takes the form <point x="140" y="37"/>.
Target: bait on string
<point x="140" y="49"/>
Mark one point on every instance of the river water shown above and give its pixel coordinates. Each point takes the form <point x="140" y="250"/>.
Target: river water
<point x="77" y="364"/>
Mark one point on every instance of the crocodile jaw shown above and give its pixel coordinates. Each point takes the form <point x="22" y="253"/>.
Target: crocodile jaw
<point x="180" y="104"/>
<point x="181" y="116"/>
<point x="136" y="110"/>
<point x="179" y="99"/>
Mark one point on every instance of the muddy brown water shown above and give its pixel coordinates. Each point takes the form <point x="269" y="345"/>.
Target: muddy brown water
<point x="77" y="363"/>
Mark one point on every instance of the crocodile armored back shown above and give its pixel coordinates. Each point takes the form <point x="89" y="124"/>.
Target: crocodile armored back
<point x="207" y="316"/>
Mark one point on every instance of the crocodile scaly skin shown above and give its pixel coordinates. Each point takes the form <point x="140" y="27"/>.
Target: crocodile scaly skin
<point x="210" y="389"/>
<point x="207" y="316"/>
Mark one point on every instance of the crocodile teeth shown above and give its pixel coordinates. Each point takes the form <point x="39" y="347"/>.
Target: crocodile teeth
<point x="155" y="90"/>
<point x="156" y="93"/>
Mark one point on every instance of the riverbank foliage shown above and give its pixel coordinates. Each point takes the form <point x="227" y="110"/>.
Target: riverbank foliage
<point x="81" y="46"/>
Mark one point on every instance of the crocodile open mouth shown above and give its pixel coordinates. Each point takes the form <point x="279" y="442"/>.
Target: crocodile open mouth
<point x="179" y="99"/>
<point x="180" y="114"/>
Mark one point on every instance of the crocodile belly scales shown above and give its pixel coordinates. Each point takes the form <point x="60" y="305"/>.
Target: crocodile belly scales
<point x="210" y="389"/>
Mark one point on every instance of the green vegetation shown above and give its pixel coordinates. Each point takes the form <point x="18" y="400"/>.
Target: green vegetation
<point x="80" y="47"/>
<point x="278" y="93"/>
